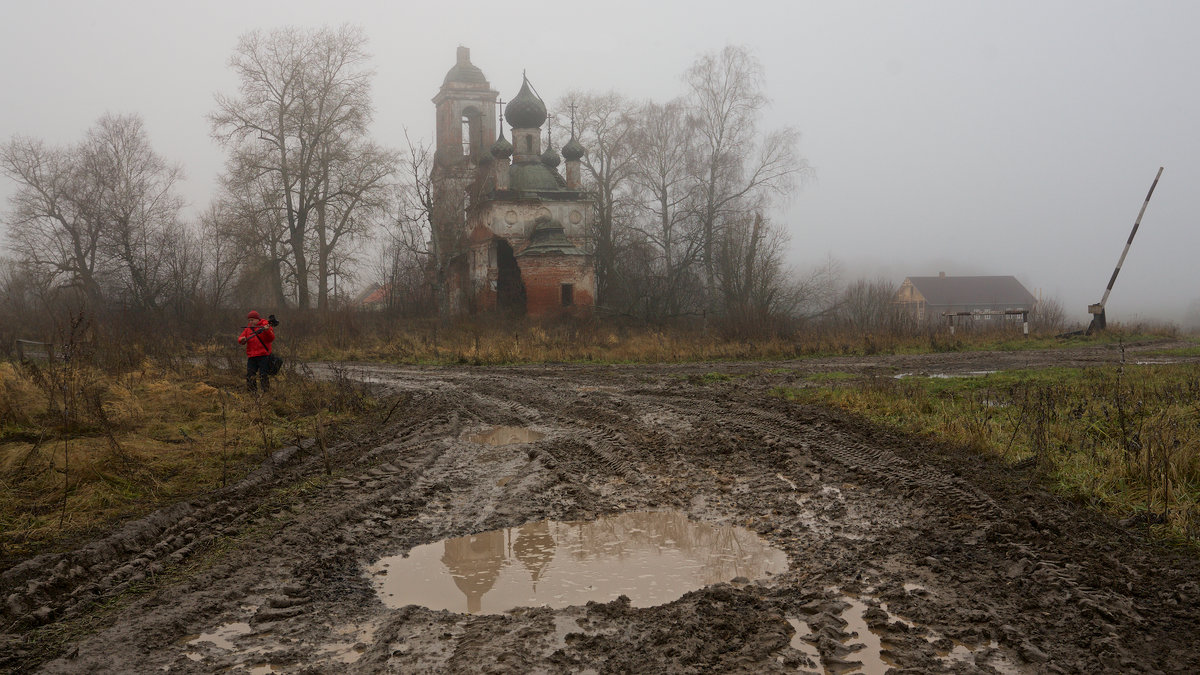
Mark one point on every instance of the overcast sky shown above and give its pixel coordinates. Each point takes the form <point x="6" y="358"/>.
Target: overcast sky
<point x="966" y="137"/>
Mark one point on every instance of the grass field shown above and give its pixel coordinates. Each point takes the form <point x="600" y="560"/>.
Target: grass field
<point x="509" y="342"/>
<point x="1123" y="438"/>
<point x="82" y="448"/>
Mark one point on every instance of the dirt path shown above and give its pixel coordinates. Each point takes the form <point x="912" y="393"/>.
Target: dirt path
<point x="934" y="560"/>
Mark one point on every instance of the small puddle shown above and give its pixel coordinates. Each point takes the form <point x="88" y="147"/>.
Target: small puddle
<point x="800" y="644"/>
<point x="507" y="436"/>
<point x="653" y="557"/>
<point x="870" y="648"/>
<point x="946" y="376"/>
<point x="223" y="635"/>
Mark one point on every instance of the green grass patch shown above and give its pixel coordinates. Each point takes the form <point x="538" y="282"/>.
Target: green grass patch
<point x="1126" y="439"/>
<point x="1192" y="350"/>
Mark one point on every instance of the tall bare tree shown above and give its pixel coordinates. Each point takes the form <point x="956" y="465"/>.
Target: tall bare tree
<point x="357" y="196"/>
<point x="663" y="201"/>
<point x="301" y="118"/>
<point x="603" y="126"/>
<point x="412" y="232"/>
<point x="97" y="216"/>
<point x="53" y="225"/>
<point x="737" y="170"/>
<point x="249" y="213"/>
<point x="750" y="271"/>
<point x="137" y="206"/>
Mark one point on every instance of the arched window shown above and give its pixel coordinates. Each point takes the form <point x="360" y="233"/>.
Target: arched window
<point x="472" y="131"/>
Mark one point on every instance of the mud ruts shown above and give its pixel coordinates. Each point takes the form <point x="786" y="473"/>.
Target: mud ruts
<point x="955" y="561"/>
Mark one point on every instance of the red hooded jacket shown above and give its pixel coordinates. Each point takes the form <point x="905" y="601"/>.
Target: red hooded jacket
<point x="255" y="347"/>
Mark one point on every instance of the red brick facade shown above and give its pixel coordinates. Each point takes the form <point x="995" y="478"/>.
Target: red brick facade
<point x="488" y="206"/>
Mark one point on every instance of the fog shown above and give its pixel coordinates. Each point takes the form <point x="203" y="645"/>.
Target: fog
<point x="971" y="138"/>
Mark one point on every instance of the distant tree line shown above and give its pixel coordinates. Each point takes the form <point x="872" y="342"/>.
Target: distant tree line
<point x="310" y="209"/>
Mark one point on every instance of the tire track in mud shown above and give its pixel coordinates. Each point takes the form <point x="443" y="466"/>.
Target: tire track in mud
<point x="827" y="441"/>
<point x="622" y="439"/>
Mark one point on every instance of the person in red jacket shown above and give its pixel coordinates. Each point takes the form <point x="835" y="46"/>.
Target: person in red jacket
<point x="257" y="336"/>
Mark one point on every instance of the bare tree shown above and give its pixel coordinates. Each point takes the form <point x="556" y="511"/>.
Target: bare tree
<point x="356" y="196"/>
<point x="133" y="189"/>
<point x="1048" y="315"/>
<point x="750" y="271"/>
<point x="663" y="201"/>
<point x="603" y="127"/>
<point x="300" y="121"/>
<point x="868" y="305"/>
<point x="813" y="296"/>
<point x="98" y="214"/>
<point x="53" y="224"/>
<point x="736" y="171"/>
<point x="249" y="214"/>
<point x="413" y="233"/>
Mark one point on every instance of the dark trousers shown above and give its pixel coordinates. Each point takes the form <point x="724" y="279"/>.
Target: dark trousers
<point x="257" y="364"/>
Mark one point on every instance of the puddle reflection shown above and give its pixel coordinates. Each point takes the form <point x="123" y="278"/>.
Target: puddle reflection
<point x="651" y="557"/>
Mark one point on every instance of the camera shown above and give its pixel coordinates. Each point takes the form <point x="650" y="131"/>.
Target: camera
<point x="272" y="321"/>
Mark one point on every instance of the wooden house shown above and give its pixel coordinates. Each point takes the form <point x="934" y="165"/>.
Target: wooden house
<point x="930" y="298"/>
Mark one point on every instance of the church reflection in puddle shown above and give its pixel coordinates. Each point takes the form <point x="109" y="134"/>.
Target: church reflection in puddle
<point x="652" y="557"/>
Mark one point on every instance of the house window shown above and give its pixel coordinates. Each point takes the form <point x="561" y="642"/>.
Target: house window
<point x="568" y="295"/>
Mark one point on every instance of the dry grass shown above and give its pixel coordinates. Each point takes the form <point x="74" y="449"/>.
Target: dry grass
<point x="81" y="448"/>
<point x="510" y="342"/>
<point x="1123" y="438"/>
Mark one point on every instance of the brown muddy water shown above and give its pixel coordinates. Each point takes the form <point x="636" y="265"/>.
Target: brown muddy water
<point x="652" y="557"/>
<point x="866" y="646"/>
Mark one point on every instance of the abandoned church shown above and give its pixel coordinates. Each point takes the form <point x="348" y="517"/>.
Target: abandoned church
<point x="514" y="232"/>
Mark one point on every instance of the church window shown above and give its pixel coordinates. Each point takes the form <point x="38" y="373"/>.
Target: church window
<point x="568" y="295"/>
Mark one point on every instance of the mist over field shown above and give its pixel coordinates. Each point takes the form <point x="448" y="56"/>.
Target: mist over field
<point x="975" y="139"/>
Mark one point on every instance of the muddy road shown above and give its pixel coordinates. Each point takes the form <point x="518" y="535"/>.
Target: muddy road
<point x="899" y="554"/>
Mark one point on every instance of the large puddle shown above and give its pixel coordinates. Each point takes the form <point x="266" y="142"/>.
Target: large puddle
<point x="652" y="557"/>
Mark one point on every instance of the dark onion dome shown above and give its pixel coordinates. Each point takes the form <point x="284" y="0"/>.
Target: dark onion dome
<point x="526" y="110"/>
<point x="502" y="148"/>
<point x="550" y="158"/>
<point x="572" y="151"/>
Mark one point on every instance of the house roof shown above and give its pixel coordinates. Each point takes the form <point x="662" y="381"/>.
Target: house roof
<point x="972" y="291"/>
<point x="373" y="294"/>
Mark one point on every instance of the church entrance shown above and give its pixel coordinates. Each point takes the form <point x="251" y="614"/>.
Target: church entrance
<point x="510" y="291"/>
